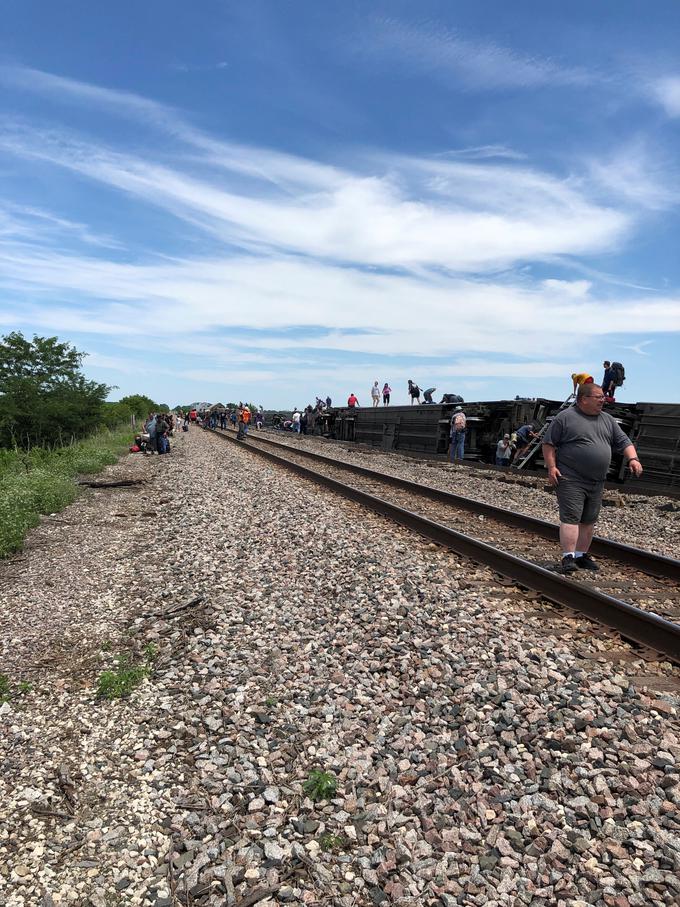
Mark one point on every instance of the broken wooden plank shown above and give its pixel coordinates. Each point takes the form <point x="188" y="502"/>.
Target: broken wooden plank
<point x="120" y="483"/>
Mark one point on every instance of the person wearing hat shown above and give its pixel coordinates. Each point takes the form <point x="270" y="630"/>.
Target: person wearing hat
<point x="525" y="435"/>
<point x="504" y="451"/>
<point x="458" y="426"/>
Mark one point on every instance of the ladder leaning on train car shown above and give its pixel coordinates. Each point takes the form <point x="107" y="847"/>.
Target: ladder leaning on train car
<point x="536" y="442"/>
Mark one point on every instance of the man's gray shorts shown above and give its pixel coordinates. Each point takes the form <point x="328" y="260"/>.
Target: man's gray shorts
<point x="579" y="502"/>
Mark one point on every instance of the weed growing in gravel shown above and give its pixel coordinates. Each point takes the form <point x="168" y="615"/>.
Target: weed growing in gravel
<point x="320" y="785"/>
<point x="121" y="681"/>
<point x="331" y="843"/>
<point x="150" y="652"/>
<point x="42" y="480"/>
<point x="4" y="688"/>
<point x="6" y="692"/>
<point x="271" y="701"/>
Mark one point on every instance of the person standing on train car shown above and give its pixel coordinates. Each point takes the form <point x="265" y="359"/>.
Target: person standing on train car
<point x="581" y="378"/>
<point x="577" y="450"/>
<point x="386" y="392"/>
<point x="375" y="394"/>
<point x="458" y="427"/>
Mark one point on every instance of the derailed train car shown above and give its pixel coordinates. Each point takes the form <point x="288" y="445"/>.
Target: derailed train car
<point x="423" y="430"/>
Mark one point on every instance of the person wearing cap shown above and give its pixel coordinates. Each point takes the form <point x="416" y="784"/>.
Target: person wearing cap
<point x="577" y="450"/>
<point x="525" y="435"/>
<point x="458" y="426"/>
<point x="504" y="451"/>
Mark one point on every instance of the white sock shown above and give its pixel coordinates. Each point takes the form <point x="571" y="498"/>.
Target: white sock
<point x="579" y="553"/>
<point x="567" y="554"/>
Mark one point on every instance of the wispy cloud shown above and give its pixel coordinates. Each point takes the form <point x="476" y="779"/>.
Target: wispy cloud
<point x="666" y="91"/>
<point x="483" y="152"/>
<point x="639" y="348"/>
<point x="26" y="222"/>
<point x="475" y="63"/>
<point x="199" y="67"/>
<point x="639" y="174"/>
<point x="408" y="213"/>
<point x="387" y="255"/>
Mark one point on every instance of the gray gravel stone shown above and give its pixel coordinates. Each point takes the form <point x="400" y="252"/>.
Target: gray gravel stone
<point x="480" y="758"/>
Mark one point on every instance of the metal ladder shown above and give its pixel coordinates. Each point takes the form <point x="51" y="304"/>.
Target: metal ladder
<point x="538" y="440"/>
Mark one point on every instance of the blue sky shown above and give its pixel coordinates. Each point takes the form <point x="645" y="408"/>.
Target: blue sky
<point x="272" y="200"/>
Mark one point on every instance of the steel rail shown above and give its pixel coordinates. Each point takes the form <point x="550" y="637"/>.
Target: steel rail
<point x="645" y="561"/>
<point x="643" y="627"/>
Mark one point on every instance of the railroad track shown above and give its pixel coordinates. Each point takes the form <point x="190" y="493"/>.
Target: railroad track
<point x="635" y="593"/>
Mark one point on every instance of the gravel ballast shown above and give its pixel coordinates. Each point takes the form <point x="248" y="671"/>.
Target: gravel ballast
<point x="644" y="521"/>
<point x="481" y="747"/>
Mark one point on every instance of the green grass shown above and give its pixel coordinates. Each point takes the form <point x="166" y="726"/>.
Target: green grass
<point x="43" y="480"/>
<point x="122" y="681"/>
<point x="126" y="676"/>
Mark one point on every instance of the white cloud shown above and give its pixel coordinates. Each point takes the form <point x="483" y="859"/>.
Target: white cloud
<point x="638" y="175"/>
<point x="405" y="212"/>
<point x="666" y="91"/>
<point x="402" y="315"/>
<point x="405" y="248"/>
<point x="572" y="289"/>
<point x="228" y="376"/>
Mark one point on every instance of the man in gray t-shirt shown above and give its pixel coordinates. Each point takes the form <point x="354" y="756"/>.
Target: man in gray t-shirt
<point x="577" y="449"/>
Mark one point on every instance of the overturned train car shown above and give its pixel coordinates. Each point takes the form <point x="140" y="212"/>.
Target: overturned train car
<point x="423" y="430"/>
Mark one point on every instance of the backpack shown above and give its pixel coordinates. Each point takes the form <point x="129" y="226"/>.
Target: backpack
<point x="618" y="374"/>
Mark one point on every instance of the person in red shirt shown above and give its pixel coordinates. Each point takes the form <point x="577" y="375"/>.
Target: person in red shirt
<point x="352" y="401"/>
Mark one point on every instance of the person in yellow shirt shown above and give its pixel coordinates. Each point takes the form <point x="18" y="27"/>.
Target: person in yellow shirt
<point x="581" y="378"/>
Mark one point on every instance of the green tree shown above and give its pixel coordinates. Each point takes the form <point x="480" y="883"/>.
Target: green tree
<point x="44" y="397"/>
<point x="137" y="405"/>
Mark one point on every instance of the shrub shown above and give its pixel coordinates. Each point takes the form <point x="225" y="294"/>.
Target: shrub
<point x="122" y="681"/>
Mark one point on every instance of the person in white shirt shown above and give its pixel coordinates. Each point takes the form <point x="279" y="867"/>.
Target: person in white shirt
<point x="296" y="421"/>
<point x="504" y="451"/>
<point x="375" y="393"/>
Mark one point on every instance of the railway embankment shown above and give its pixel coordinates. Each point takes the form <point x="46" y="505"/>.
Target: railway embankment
<point x="319" y="708"/>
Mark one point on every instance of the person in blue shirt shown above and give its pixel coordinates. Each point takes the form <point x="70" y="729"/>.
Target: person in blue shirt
<point x="525" y="435"/>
